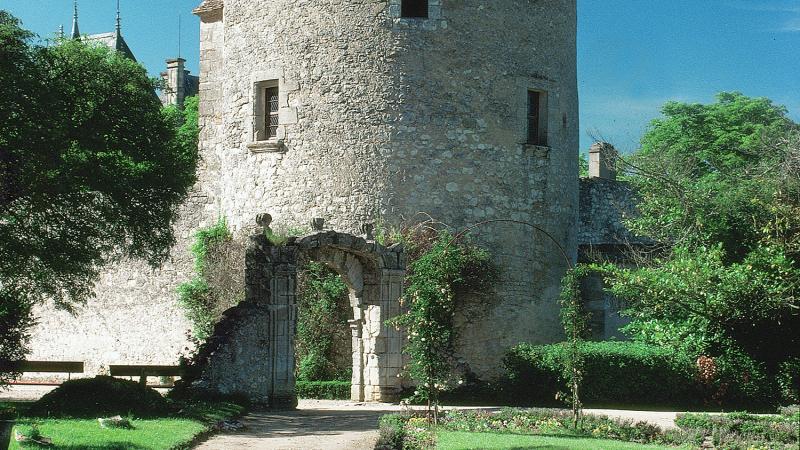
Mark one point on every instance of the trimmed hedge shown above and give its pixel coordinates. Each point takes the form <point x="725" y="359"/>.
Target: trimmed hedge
<point x="323" y="390"/>
<point x="615" y="373"/>
<point x="101" y="396"/>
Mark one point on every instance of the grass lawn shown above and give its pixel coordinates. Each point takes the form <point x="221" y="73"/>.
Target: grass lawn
<point x="87" y="434"/>
<point x="458" y="440"/>
<point x="166" y="433"/>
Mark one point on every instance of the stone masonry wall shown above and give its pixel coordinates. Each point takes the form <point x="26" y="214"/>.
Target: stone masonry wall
<point x="382" y="118"/>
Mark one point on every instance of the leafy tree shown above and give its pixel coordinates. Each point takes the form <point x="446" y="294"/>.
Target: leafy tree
<point x="719" y="189"/>
<point x="91" y="171"/>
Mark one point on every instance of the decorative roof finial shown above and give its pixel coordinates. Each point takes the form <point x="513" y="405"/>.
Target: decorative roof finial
<point x="119" y="21"/>
<point x="61" y="31"/>
<point x="76" y="33"/>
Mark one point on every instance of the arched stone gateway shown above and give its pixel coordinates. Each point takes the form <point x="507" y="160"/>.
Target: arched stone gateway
<point x="252" y="349"/>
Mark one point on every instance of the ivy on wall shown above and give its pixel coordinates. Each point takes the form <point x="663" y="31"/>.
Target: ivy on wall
<point x="218" y="283"/>
<point x="439" y="268"/>
<point x="323" y="309"/>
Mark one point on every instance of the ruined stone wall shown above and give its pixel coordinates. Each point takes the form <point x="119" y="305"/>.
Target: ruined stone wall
<point x="382" y="118"/>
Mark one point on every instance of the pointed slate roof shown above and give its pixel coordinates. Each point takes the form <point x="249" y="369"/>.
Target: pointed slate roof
<point x="114" y="41"/>
<point x="76" y="33"/>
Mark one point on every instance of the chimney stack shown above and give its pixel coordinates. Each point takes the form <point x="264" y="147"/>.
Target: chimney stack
<point x="603" y="161"/>
<point x="175" y="89"/>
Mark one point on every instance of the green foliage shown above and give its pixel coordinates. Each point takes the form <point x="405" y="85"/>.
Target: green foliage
<point x="719" y="189"/>
<point x="789" y="381"/>
<point x="731" y="431"/>
<point x="434" y="278"/>
<point x="695" y="302"/>
<point x="100" y="397"/>
<point x="201" y="306"/>
<point x="392" y="432"/>
<point x="280" y="237"/>
<point x="583" y="165"/>
<point x="323" y="334"/>
<point x="743" y="431"/>
<point x="574" y="320"/>
<point x="703" y="172"/>
<point x="459" y="440"/>
<point x="91" y="170"/>
<point x="323" y="390"/>
<point x="405" y="432"/>
<point x="198" y="305"/>
<point x="614" y="373"/>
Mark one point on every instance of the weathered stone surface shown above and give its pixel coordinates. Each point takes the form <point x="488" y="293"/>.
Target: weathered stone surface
<point x="254" y="343"/>
<point x="383" y="118"/>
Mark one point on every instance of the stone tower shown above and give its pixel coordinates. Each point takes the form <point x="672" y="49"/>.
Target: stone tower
<point x="361" y="112"/>
<point x="369" y="112"/>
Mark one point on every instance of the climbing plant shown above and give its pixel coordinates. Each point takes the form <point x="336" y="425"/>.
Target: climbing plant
<point x="439" y="269"/>
<point x="218" y="283"/>
<point x="574" y="319"/>
<point x="322" y="314"/>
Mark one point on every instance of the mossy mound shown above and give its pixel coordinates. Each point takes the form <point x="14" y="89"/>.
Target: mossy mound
<point x="100" y="397"/>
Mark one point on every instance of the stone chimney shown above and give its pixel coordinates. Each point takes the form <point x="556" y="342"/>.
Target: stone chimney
<point x="175" y="79"/>
<point x="603" y="161"/>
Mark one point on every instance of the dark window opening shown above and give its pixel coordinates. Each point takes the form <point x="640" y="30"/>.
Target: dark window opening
<point x="537" y="133"/>
<point x="415" y="8"/>
<point x="271" y="116"/>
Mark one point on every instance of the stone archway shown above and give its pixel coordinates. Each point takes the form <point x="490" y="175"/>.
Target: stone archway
<point x="252" y="349"/>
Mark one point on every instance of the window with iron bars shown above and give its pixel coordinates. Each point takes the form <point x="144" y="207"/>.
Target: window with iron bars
<point x="271" y="112"/>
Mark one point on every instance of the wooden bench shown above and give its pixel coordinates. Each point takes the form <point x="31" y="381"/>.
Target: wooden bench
<point x="145" y="371"/>
<point x="68" y="367"/>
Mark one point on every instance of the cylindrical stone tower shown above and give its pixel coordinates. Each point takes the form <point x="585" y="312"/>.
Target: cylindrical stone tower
<point x="378" y="110"/>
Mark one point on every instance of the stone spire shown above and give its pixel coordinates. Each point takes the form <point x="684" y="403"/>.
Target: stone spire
<point x="61" y="31"/>
<point x="76" y="33"/>
<point x="119" y="22"/>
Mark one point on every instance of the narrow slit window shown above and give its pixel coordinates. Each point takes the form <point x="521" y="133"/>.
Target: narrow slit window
<point x="415" y="9"/>
<point x="537" y="118"/>
<point x="271" y="116"/>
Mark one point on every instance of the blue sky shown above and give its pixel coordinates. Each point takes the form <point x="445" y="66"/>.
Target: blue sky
<point x="633" y="55"/>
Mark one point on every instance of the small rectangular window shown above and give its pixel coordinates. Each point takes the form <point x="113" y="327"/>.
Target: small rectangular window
<point x="537" y="118"/>
<point x="415" y="9"/>
<point x="271" y="113"/>
<point x="266" y="105"/>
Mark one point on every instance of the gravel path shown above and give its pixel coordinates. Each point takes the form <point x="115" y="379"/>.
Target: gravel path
<point x="315" y="425"/>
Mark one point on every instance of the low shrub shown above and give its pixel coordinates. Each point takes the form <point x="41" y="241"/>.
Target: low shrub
<point x="744" y="431"/>
<point x="615" y="372"/>
<point x="405" y="432"/>
<point x="100" y="397"/>
<point x="392" y="432"/>
<point x="323" y="390"/>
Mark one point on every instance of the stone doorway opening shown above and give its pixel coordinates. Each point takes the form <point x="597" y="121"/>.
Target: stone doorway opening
<point x="253" y="347"/>
<point x="323" y="335"/>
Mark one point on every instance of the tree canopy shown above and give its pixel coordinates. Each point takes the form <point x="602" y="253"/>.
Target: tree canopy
<point x="92" y="168"/>
<point x="719" y="189"/>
